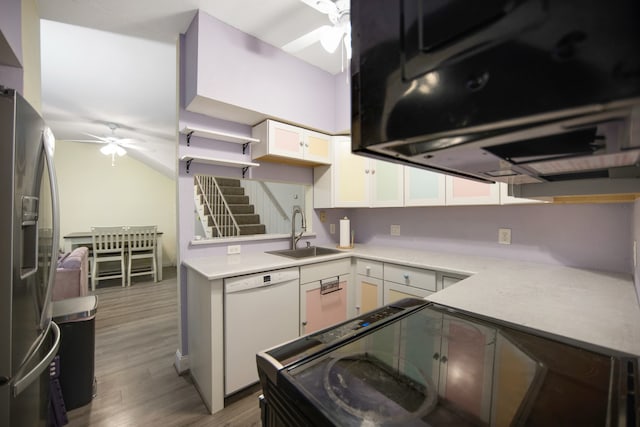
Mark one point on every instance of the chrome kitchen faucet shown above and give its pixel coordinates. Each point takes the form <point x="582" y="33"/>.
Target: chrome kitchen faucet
<point x="303" y="226"/>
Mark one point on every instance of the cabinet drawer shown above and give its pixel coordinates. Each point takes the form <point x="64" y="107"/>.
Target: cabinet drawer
<point x="416" y="277"/>
<point x="369" y="268"/>
<point x="394" y="292"/>
<point x="324" y="270"/>
<point x="447" y="279"/>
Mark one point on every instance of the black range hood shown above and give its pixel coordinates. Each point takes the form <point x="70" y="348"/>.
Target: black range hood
<point x="524" y="92"/>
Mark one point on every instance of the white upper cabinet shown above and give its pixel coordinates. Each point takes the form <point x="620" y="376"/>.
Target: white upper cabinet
<point x="423" y="187"/>
<point x="462" y="191"/>
<point x="290" y="144"/>
<point x="357" y="181"/>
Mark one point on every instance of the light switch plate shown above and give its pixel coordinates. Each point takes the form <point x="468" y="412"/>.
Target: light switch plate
<point x="323" y="216"/>
<point x="233" y="249"/>
<point x="395" y="230"/>
<point x="504" y="236"/>
<point x="332" y="229"/>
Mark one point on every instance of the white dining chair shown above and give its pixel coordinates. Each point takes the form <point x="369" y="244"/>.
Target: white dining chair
<point x="108" y="246"/>
<point x="141" y="243"/>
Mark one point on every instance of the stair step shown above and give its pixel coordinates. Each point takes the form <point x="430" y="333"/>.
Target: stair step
<point x="246" y="219"/>
<point x="228" y="182"/>
<point x="241" y="219"/>
<point x="245" y="230"/>
<point x="237" y="200"/>
<point x="242" y="209"/>
<point x="252" y="229"/>
<point x="232" y="191"/>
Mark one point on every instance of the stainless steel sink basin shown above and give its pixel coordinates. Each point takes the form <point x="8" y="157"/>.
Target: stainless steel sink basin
<point x="312" y="251"/>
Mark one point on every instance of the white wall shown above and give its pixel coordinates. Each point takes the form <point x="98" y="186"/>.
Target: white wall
<point x="94" y="193"/>
<point x="252" y="79"/>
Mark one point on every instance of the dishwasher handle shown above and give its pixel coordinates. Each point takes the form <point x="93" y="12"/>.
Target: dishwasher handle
<point x="261" y="280"/>
<point x="329" y="286"/>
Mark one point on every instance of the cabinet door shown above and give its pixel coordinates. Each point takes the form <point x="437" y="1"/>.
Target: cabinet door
<point x="423" y="187"/>
<point x="395" y="291"/>
<point x="387" y="183"/>
<point x="351" y="176"/>
<point x="368" y="294"/>
<point x="318" y="310"/>
<point x="467" y="192"/>
<point x="466" y="365"/>
<point x="317" y="147"/>
<point x="285" y="140"/>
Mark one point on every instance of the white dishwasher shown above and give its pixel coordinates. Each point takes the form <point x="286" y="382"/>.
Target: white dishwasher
<point x="260" y="311"/>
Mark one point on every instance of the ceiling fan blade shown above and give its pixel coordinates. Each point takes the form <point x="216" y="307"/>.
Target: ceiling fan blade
<point x="91" y="141"/>
<point x="322" y="6"/>
<point x="306" y="40"/>
<point x="103" y="139"/>
<point x="127" y="141"/>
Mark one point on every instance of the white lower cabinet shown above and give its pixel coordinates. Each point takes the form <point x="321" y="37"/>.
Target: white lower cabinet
<point x="323" y="303"/>
<point x="396" y="291"/>
<point x="368" y="285"/>
<point x="368" y="294"/>
<point x="405" y="282"/>
<point x="324" y="295"/>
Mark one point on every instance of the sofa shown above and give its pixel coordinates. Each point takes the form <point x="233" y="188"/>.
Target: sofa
<point x="72" y="274"/>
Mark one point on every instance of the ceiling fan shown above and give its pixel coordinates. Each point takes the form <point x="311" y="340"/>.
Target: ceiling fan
<point x="329" y="36"/>
<point x="112" y="144"/>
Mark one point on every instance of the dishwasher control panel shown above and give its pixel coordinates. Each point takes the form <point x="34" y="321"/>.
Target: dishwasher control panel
<point x="253" y="281"/>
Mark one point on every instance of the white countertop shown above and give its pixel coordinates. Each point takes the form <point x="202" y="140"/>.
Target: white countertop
<point x="592" y="307"/>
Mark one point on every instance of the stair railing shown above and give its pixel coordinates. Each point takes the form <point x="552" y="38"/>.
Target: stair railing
<point x="216" y="205"/>
<point x="200" y="207"/>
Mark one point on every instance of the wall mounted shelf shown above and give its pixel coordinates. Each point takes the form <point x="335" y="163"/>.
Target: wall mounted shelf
<point x="219" y="136"/>
<point x="219" y="162"/>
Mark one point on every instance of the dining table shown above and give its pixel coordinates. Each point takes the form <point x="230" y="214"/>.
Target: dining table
<point x="83" y="238"/>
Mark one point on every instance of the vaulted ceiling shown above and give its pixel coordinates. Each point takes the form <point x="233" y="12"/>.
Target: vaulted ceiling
<point x="114" y="61"/>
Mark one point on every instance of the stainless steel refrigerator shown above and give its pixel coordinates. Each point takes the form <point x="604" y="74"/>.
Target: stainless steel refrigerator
<point x="29" y="240"/>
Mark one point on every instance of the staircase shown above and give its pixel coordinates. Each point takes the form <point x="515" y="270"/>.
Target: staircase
<point x="224" y="209"/>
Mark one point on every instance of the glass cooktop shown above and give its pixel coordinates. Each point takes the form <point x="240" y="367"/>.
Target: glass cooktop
<point x="423" y="365"/>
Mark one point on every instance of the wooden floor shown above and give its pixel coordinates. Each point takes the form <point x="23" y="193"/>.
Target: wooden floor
<point x="136" y="341"/>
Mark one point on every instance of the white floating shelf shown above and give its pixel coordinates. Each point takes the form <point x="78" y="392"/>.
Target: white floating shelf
<point x="219" y="162"/>
<point x="220" y="136"/>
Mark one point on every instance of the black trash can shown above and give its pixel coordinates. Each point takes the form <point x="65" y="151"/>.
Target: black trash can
<point x="76" y="318"/>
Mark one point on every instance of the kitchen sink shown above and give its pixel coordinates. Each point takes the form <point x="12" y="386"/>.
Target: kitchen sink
<point x="311" y="251"/>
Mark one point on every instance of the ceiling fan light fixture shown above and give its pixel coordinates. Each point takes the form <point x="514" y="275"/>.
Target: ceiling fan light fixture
<point x="112" y="148"/>
<point x="108" y="149"/>
<point x="331" y="38"/>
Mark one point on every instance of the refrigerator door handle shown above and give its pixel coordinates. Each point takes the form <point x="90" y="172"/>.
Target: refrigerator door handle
<point x="22" y="383"/>
<point x="49" y="141"/>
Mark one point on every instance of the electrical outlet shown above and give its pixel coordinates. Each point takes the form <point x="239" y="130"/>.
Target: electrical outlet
<point x="504" y="236"/>
<point x="233" y="249"/>
<point x="323" y="216"/>
<point x="395" y="230"/>
<point x="332" y="229"/>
